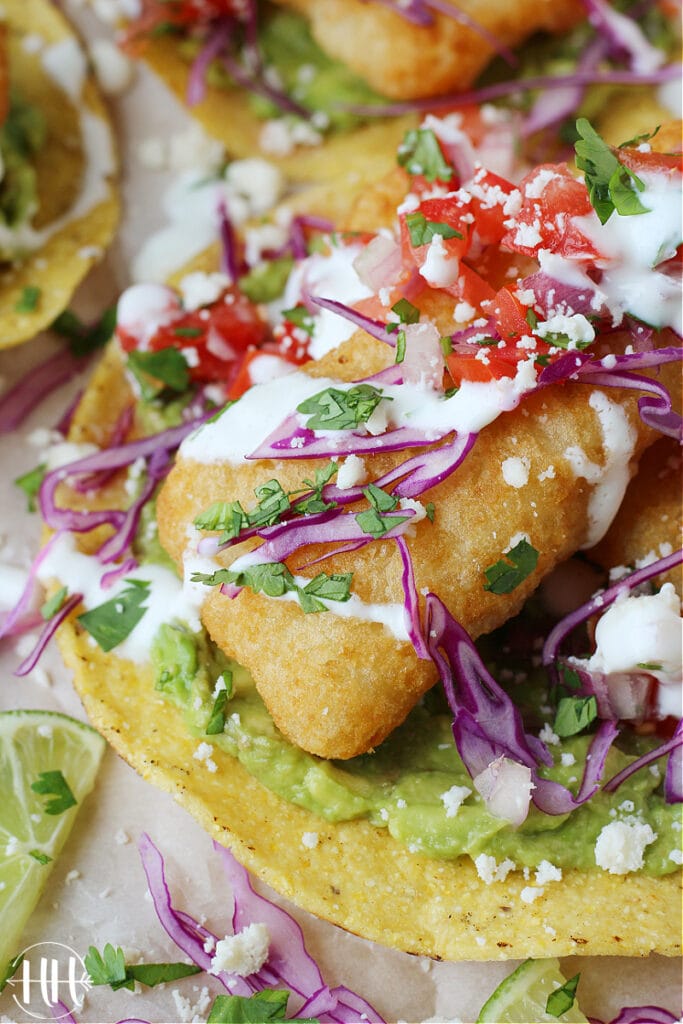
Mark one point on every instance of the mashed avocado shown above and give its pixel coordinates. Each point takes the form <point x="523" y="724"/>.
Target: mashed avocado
<point x="412" y="783"/>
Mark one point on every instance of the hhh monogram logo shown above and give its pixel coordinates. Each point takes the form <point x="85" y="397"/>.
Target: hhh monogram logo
<point x="51" y="981"/>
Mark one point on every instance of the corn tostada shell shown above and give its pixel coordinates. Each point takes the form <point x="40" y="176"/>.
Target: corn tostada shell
<point x="78" y="207"/>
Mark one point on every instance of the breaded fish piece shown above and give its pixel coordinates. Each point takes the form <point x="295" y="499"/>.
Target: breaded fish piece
<point x="648" y="523"/>
<point x="337" y="686"/>
<point x="405" y="61"/>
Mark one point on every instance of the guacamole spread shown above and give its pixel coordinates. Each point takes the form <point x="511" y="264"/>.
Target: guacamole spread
<point x="414" y="784"/>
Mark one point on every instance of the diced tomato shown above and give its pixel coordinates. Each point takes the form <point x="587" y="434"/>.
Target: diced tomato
<point x="447" y="210"/>
<point x="551" y="200"/>
<point x="243" y="379"/>
<point x="466" y="367"/>
<point x="640" y="162"/>
<point x="219" y="334"/>
<point x="471" y="288"/>
<point x="177" y="13"/>
<point x="489" y="195"/>
<point x="293" y="342"/>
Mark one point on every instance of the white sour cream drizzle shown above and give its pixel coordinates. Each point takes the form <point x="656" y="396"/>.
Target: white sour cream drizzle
<point x="644" y="630"/>
<point x="65" y="63"/>
<point x="632" y="246"/>
<point x="609" y="482"/>
<point x="332" y="276"/>
<point x="168" y="600"/>
<point x="245" y="425"/>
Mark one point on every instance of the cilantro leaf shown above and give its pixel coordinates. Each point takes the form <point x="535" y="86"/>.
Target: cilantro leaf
<point x="333" y="409"/>
<point x="216" y="723"/>
<point x="300" y="317"/>
<point x="420" y="153"/>
<point x="53" y="604"/>
<point x="30" y="484"/>
<point x="275" y="580"/>
<point x="562" y="999"/>
<point x="265" y="282"/>
<point x="83" y="338"/>
<point x="53" y="784"/>
<point x="28" y="300"/>
<point x="375" y="520"/>
<point x="507" y="574"/>
<point x="41" y="857"/>
<point x="406" y="312"/>
<point x="574" y="714"/>
<point x="167" y="367"/>
<point x="422" y="231"/>
<point x="109" y="968"/>
<point x="110" y="623"/>
<point x="264" y="1006"/>
<point x="400" y="347"/>
<point x="611" y="185"/>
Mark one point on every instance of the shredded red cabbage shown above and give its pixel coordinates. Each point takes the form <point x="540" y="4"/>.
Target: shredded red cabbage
<point x="46" y="634"/>
<point x="16" y="620"/>
<point x="641" y="1015"/>
<point x="375" y="328"/>
<point x="623" y="35"/>
<point x="673" y="783"/>
<point x="289" y="964"/>
<point x="217" y="40"/>
<point x="229" y="260"/>
<point x="21" y="399"/>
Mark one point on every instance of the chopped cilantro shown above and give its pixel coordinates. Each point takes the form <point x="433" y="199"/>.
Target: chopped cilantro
<point x="430" y="511"/>
<point x="531" y="319"/>
<point x="517" y="563"/>
<point x="650" y="666"/>
<point x="275" y="580"/>
<point x="166" y="367"/>
<point x="53" y="604"/>
<point x="300" y="317"/>
<point x="314" y="502"/>
<point x="574" y="714"/>
<point x="109" y="968"/>
<point x="570" y="677"/>
<point x="611" y="185"/>
<point x="30" y="484"/>
<point x="267" y="1005"/>
<point x="111" y="622"/>
<point x="41" y="857"/>
<point x="333" y="409"/>
<point x="420" y="153"/>
<point x="562" y="999"/>
<point x="188" y="332"/>
<point x="400" y="347"/>
<point x="422" y="231"/>
<point x="565" y="342"/>
<point x="638" y="139"/>
<point x="267" y="281"/>
<point x="446" y="344"/>
<point x="83" y="338"/>
<point x="28" y="300"/>
<point x="375" y="520"/>
<point x="53" y="784"/>
<point x="406" y="312"/>
<point x="216" y="723"/>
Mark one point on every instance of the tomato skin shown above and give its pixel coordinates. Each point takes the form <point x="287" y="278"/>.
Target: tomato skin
<point x="489" y="193"/>
<point x="447" y="210"/>
<point x="467" y="367"/>
<point x="471" y="288"/>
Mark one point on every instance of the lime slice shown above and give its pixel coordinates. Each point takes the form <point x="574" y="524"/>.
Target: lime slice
<point x="33" y="742"/>
<point x="522" y="997"/>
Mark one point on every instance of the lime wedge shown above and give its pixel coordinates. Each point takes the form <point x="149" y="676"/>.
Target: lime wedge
<point x="522" y="997"/>
<point x="33" y="743"/>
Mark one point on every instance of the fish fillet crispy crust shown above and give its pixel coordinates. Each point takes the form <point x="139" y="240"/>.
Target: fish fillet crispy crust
<point x="338" y="686"/>
<point x="405" y="61"/>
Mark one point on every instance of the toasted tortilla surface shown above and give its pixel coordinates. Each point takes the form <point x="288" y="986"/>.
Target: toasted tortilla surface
<point x="59" y="265"/>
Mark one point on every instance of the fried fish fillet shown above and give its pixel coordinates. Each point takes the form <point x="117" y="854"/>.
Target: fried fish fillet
<point x="406" y="61"/>
<point x="337" y="686"/>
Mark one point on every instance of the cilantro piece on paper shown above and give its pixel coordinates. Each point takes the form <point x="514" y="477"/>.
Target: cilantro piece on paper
<point x="422" y="231"/>
<point x="110" y="623"/>
<point x="574" y="714"/>
<point x="53" y="784"/>
<point x="30" y="484"/>
<point x="611" y="185"/>
<point x="264" y="1006"/>
<point x="562" y="999"/>
<point x="507" y="574"/>
<point x="420" y="153"/>
<point x="109" y="968"/>
<point x="333" y="409"/>
<point x="28" y="300"/>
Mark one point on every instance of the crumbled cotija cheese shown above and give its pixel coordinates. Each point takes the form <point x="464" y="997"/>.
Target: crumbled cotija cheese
<point x="242" y="954"/>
